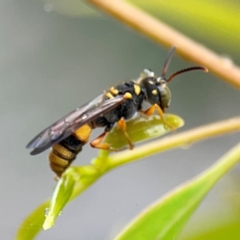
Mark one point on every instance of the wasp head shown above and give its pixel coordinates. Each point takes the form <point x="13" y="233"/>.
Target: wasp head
<point x="155" y="88"/>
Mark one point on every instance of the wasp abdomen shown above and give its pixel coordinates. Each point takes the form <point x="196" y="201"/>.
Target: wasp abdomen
<point x="65" y="151"/>
<point x="60" y="158"/>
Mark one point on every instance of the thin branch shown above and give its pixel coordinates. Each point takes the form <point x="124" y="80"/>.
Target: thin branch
<point x="164" y="34"/>
<point x="181" y="139"/>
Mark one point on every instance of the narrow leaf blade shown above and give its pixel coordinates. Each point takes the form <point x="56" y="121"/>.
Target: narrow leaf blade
<point x="165" y="218"/>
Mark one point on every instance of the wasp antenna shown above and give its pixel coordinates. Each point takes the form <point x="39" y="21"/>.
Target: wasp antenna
<point x="169" y="57"/>
<point x="186" y="70"/>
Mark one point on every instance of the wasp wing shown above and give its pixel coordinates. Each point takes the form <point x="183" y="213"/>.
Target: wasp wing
<point x="64" y="127"/>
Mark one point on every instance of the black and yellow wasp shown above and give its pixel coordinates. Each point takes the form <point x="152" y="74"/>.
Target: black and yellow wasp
<point x="67" y="135"/>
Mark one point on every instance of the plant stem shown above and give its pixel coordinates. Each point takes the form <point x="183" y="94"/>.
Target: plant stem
<point x="164" y="34"/>
<point x="182" y="139"/>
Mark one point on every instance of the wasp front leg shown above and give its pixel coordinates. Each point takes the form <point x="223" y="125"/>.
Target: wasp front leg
<point x="152" y="109"/>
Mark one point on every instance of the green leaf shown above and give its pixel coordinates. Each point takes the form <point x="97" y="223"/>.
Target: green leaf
<point x="32" y="225"/>
<point x="62" y="193"/>
<point x="142" y="129"/>
<point x="165" y="218"/>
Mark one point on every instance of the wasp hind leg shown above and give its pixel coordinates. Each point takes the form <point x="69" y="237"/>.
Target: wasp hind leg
<point x="122" y="125"/>
<point x="152" y="109"/>
<point x="97" y="143"/>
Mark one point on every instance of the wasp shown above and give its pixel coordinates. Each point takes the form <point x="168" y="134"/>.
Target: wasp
<point x="118" y="104"/>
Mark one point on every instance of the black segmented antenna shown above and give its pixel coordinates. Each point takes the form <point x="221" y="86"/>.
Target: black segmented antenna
<point x="186" y="70"/>
<point x="166" y="64"/>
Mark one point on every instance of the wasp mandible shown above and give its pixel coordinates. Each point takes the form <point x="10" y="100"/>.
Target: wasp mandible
<point x="120" y="103"/>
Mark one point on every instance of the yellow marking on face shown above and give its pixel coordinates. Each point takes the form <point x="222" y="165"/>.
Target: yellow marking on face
<point x="64" y="152"/>
<point x="128" y="95"/>
<point x="154" y="92"/>
<point x="137" y="89"/>
<point x="109" y="95"/>
<point x="114" y="91"/>
<point x="151" y="82"/>
<point x="83" y="133"/>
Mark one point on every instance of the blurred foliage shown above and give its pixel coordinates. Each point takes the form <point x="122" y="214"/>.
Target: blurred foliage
<point x="213" y="22"/>
<point x="74" y="8"/>
<point x="217" y="225"/>
<point x="166" y="217"/>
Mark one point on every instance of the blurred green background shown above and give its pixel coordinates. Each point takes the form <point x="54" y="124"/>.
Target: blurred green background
<point x="55" y="56"/>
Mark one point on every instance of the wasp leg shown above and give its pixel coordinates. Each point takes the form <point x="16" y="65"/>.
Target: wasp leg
<point x="122" y="125"/>
<point x="152" y="109"/>
<point x="97" y="143"/>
